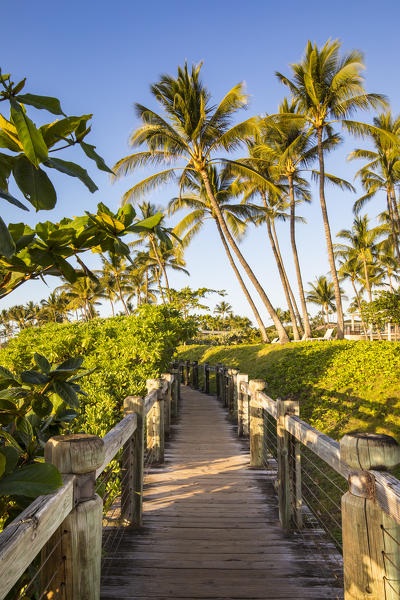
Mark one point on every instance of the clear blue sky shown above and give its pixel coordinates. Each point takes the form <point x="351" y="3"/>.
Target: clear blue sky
<point x="101" y="57"/>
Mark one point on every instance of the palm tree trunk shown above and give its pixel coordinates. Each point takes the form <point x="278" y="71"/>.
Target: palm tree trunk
<point x="159" y="261"/>
<point x="367" y="281"/>
<point x="263" y="331"/>
<point x="293" y="299"/>
<point x="296" y="335"/>
<point x="327" y="315"/>
<point x="159" y="285"/>
<point x="306" y="320"/>
<point x="147" y="287"/>
<point x="283" y="336"/>
<point x="328" y="236"/>
<point x="359" y="309"/>
<point x="396" y="220"/>
<point x="121" y="296"/>
<point x="391" y="219"/>
<point x="112" y="307"/>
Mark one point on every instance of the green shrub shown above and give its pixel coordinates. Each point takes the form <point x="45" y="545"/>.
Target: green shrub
<point x="124" y="350"/>
<point x="342" y="386"/>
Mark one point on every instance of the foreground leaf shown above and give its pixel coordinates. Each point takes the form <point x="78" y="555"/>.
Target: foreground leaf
<point x="32" y="481"/>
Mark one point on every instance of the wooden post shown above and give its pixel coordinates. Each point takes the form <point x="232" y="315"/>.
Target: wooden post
<point x="167" y="377"/>
<point x="224" y="397"/>
<point x="371" y="552"/>
<point x="78" y="539"/>
<point x="256" y="425"/>
<point x="195" y="375"/>
<point x="206" y="378"/>
<point x="132" y="465"/>
<point x="175" y="393"/>
<point x="242" y="404"/>
<point x="155" y="422"/>
<point x="231" y="389"/>
<point x="218" y="380"/>
<point x="187" y="372"/>
<point x="289" y="484"/>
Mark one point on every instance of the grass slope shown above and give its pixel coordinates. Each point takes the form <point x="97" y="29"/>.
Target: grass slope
<point x="342" y="386"/>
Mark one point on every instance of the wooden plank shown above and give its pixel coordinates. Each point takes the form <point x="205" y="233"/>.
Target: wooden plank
<point x="116" y="438"/>
<point x="267" y="404"/>
<point x="149" y="401"/>
<point x="23" y="539"/>
<point x="322" y="445"/>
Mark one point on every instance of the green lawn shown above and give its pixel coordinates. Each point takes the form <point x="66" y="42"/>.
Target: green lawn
<point x="342" y="386"/>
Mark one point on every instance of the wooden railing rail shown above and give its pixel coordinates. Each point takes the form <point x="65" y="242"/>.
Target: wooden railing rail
<point x="66" y="527"/>
<point x="370" y="509"/>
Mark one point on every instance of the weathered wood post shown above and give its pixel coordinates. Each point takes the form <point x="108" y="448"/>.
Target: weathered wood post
<point x="79" y="536"/>
<point x="242" y="405"/>
<point x="155" y="422"/>
<point x="371" y="551"/>
<point x="231" y="389"/>
<point x="181" y="372"/>
<point x="167" y="378"/>
<point x="206" y="379"/>
<point x="195" y="375"/>
<point x="175" y="393"/>
<point x="187" y="372"/>
<point x="218" y="380"/>
<point x="289" y="475"/>
<point x="132" y="465"/>
<point x="256" y="425"/>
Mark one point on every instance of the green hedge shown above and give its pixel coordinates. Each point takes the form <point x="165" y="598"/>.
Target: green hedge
<point x="125" y="351"/>
<point x="342" y="386"/>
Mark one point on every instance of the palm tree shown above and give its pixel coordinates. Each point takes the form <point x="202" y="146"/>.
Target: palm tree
<point x="292" y="149"/>
<point x="327" y="89"/>
<point x="54" y="308"/>
<point x="351" y="269"/>
<point x="109" y="285"/>
<point x="224" y="309"/>
<point x="198" y="202"/>
<point x="191" y="131"/>
<point x="322" y="293"/>
<point x="83" y="294"/>
<point x="115" y="265"/>
<point x="382" y="171"/>
<point x="362" y="246"/>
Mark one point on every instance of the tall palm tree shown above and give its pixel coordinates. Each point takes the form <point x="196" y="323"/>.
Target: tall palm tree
<point x="351" y="269"/>
<point x="292" y="149"/>
<point x="190" y="132"/>
<point x="382" y="171"/>
<point x="362" y="245"/>
<point x="322" y="293"/>
<point x="201" y="209"/>
<point x="328" y="89"/>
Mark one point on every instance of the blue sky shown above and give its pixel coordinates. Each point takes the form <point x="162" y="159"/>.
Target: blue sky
<point x="101" y="57"/>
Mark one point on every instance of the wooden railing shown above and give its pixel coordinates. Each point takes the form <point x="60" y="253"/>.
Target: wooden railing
<point x="343" y="489"/>
<point x="57" y="541"/>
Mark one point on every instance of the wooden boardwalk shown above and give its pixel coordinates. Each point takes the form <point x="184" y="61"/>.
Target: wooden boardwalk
<point x="211" y="526"/>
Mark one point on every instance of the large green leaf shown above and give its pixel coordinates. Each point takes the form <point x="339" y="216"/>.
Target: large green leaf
<point x="42" y="102"/>
<point x="7" y="244"/>
<point x="6" y="165"/>
<point x="90" y="152"/>
<point x="33" y="377"/>
<point x="3" y="462"/>
<point x="30" y="137"/>
<point x="34" y="184"/>
<point x="7" y="142"/>
<point x="12" y="200"/>
<point x="41" y="406"/>
<point x="72" y="169"/>
<point x="32" y="481"/>
<point x="59" y="130"/>
<point x="11" y="456"/>
<point x="66" y="393"/>
<point x="71" y="364"/>
<point x="42" y="362"/>
<point x="7" y="376"/>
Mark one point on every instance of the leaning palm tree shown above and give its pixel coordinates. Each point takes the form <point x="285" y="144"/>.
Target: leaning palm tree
<point x="190" y="133"/>
<point x="115" y="265"/>
<point x="322" y="293"/>
<point x="328" y="88"/>
<point x="197" y="201"/>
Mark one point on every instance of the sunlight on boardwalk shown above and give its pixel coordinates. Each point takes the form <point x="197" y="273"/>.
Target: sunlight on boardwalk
<point x="211" y="527"/>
